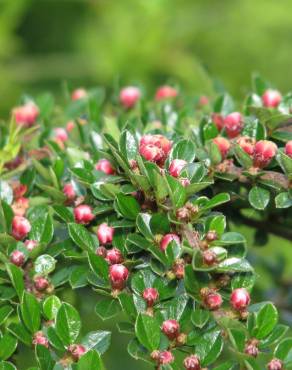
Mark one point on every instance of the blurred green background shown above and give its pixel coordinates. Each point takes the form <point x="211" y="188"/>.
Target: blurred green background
<point x="44" y="43"/>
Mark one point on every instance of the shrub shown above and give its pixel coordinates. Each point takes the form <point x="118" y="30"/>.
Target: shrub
<point x="135" y="201"/>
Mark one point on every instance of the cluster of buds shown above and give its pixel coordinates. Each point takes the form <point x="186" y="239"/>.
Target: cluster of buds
<point x="83" y="214"/>
<point x="209" y="257"/>
<point x="187" y="212"/>
<point x="17" y="258"/>
<point x="251" y="347"/>
<point x="192" y="363"/>
<point x="76" y="351"/>
<point x="264" y="152"/>
<point x="150" y="296"/>
<point x="105" y="233"/>
<point x="20" y="206"/>
<point x="118" y="275"/>
<point x="129" y="96"/>
<point x="105" y="166"/>
<point x="40" y="339"/>
<point x="275" y="364"/>
<point x="162" y="357"/>
<point x="26" y="115"/>
<point x="154" y="148"/>
<point x="171" y="329"/>
<point x="211" y="299"/>
<point x="41" y="283"/>
<point x="114" y="256"/>
<point x="233" y="124"/>
<point x="30" y="244"/>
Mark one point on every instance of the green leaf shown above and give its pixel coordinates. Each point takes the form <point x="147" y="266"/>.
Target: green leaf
<point x="54" y="193"/>
<point x="98" y="340"/>
<point x="64" y="213"/>
<point x="278" y="332"/>
<point x="283" y="200"/>
<point x="234" y="264"/>
<point x="16" y="277"/>
<point x="243" y="158"/>
<point x="68" y="324"/>
<point x="99" y="266"/>
<point x="216" y="201"/>
<point x="8" y="345"/>
<point x="228" y="365"/>
<point x="83" y="238"/>
<point x="137" y="351"/>
<point x="78" y="277"/>
<point x="177" y="192"/>
<point x="209" y="347"/>
<point x="284" y="350"/>
<point x="200" y="317"/>
<point x="44" y="358"/>
<point x="128" y="145"/>
<point x="90" y="360"/>
<point x="44" y="264"/>
<point x="107" y="308"/>
<point x="147" y="331"/>
<point x="128" y="206"/>
<point x="21" y="333"/>
<point x="259" y="197"/>
<point x="30" y="312"/>
<point x="7" y="366"/>
<point x="224" y="104"/>
<point x="143" y="224"/>
<point x="42" y="229"/>
<point x="5" y="312"/>
<point x="51" y="306"/>
<point x="266" y="319"/>
<point x="183" y="149"/>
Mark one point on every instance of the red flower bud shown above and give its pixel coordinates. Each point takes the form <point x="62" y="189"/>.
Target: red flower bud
<point x="184" y="181"/>
<point x="70" y="126"/>
<point x="129" y="96"/>
<point x="30" y="244"/>
<point x="76" y="351"/>
<point x="165" y="357"/>
<point x="69" y="191"/>
<point x="118" y="276"/>
<point x="41" y="283"/>
<point x="20" y="206"/>
<point x="159" y="141"/>
<point x="264" y="152"/>
<point x="60" y="134"/>
<point x="79" y="94"/>
<point x="192" y="363"/>
<point x="271" y="98"/>
<point x="150" y="296"/>
<point x="213" y="301"/>
<point x="165" y="92"/>
<point x="105" y="166"/>
<point x="151" y="153"/>
<point x="101" y="251"/>
<point x="167" y="239"/>
<point x="83" y="214"/>
<point x="39" y="338"/>
<point x="288" y="148"/>
<point x="251" y="350"/>
<point x="222" y="144"/>
<point x="105" y="233"/>
<point x="26" y="115"/>
<point x="114" y="256"/>
<point x="171" y="329"/>
<point x="233" y="124"/>
<point x="247" y="144"/>
<point x="17" y="258"/>
<point x="20" y="227"/>
<point x="176" y="166"/>
<point x="209" y="257"/>
<point x="218" y="120"/>
<point x="19" y="190"/>
<point x="211" y="236"/>
<point x="275" y="364"/>
<point x="239" y="299"/>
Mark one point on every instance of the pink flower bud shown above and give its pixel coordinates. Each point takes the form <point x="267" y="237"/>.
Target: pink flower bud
<point x="288" y="148"/>
<point x="168" y="238"/>
<point x="213" y="301"/>
<point x="26" y="115"/>
<point x="176" y="166"/>
<point x="151" y="153"/>
<point x="251" y="350"/>
<point x="264" y="152"/>
<point x="76" y="351"/>
<point x="211" y="236"/>
<point x="165" y="357"/>
<point x="192" y="363"/>
<point x="101" y="251"/>
<point x="114" y="256"/>
<point x="165" y="92"/>
<point x="118" y="276"/>
<point x="239" y="299"/>
<point x="19" y="190"/>
<point x="150" y="296"/>
<point x="209" y="257"/>
<point x="129" y="96"/>
<point x="17" y="258"/>
<point x="20" y="227"/>
<point x="30" y="244"/>
<point x="105" y="166"/>
<point x="20" y="206"/>
<point x="218" y="120"/>
<point x="184" y="181"/>
<point x="60" y="134"/>
<point x="39" y="338"/>
<point x="83" y="214"/>
<point x="159" y="141"/>
<point x="79" y="94"/>
<point x="70" y="126"/>
<point x="222" y="144"/>
<point x="247" y="144"/>
<point x="105" y="233"/>
<point x="233" y="124"/>
<point x="204" y="100"/>
<point x="171" y="329"/>
<point x="275" y="364"/>
<point x="69" y="191"/>
<point x="41" y="283"/>
<point x="271" y="98"/>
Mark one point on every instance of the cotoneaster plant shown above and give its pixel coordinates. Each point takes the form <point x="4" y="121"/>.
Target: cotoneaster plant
<point x="130" y="198"/>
